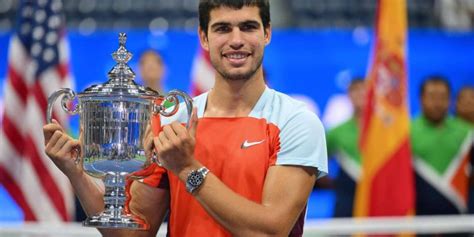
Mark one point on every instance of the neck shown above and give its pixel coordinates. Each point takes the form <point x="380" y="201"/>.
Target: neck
<point x="357" y="115"/>
<point x="435" y="122"/>
<point x="234" y="98"/>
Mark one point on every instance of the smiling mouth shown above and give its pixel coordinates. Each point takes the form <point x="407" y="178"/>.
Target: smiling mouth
<point x="237" y="58"/>
<point x="236" y="55"/>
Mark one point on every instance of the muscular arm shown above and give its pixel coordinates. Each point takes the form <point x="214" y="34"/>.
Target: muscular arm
<point x="285" y="194"/>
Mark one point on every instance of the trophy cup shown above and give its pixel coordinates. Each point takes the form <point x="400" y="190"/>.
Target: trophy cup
<point x="114" y="117"/>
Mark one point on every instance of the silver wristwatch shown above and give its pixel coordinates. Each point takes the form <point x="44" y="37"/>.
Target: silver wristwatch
<point x="195" y="179"/>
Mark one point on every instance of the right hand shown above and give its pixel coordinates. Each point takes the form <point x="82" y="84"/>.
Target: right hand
<point x="61" y="148"/>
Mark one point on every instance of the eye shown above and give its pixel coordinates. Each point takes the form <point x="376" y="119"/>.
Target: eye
<point x="222" y="29"/>
<point x="248" y="27"/>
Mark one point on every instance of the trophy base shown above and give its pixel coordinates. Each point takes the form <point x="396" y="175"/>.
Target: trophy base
<point x="124" y="221"/>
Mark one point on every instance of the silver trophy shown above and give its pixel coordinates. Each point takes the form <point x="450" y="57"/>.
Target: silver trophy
<point x="114" y="117"/>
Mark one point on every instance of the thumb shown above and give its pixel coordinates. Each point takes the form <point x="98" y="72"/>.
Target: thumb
<point x="55" y="121"/>
<point x="193" y="123"/>
<point x="81" y="134"/>
<point x="60" y="127"/>
<point x="79" y="145"/>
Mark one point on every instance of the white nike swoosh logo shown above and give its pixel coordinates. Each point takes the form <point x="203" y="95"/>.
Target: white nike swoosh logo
<point x="248" y="144"/>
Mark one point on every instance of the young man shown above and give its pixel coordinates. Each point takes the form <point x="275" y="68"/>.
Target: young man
<point x="152" y="70"/>
<point x="440" y="147"/>
<point x="343" y="142"/>
<point x="248" y="162"/>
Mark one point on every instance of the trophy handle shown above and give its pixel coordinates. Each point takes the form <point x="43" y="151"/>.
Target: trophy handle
<point x="172" y="97"/>
<point x="69" y="95"/>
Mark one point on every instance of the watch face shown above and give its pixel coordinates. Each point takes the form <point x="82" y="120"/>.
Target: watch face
<point x="195" y="179"/>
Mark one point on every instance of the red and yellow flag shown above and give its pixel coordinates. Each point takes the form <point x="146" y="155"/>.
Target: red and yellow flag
<point x="386" y="187"/>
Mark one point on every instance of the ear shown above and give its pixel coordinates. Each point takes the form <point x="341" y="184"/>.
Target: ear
<point x="203" y="39"/>
<point x="268" y="34"/>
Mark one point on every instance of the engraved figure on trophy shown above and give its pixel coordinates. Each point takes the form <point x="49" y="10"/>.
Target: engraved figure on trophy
<point x="114" y="117"/>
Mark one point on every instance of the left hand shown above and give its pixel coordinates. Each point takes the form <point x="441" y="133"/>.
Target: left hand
<point x="175" y="145"/>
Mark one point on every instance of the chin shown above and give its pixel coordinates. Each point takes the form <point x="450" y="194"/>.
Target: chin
<point x="241" y="76"/>
<point x="238" y="77"/>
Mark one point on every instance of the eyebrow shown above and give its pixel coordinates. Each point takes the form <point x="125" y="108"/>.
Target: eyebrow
<point x="224" y="23"/>
<point x="250" y="22"/>
<point x="217" y="24"/>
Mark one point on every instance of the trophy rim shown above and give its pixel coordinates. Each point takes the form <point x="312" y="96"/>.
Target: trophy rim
<point x="124" y="221"/>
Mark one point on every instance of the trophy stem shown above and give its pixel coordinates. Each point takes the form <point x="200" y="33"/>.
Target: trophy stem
<point x="114" y="215"/>
<point x="114" y="197"/>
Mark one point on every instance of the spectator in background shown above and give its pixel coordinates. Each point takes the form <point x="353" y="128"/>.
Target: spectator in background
<point x="465" y="111"/>
<point x="343" y="142"/>
<point x="152" y="70"/>
<point x="465" y="104"/>
<point x="440" y="146"/>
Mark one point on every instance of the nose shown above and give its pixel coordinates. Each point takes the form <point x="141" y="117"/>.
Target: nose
<point x="236" y="38"/>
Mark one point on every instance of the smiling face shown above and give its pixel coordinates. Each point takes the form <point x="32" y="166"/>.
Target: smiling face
<point x="235" y="40"/>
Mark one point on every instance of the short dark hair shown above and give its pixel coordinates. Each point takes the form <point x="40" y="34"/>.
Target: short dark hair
<point x="355" y="81"/>
<point x="158" y="55"/>
<point x="206" y="6"/>
<point x="435" y="79"/>
<point x="464" y="88"/>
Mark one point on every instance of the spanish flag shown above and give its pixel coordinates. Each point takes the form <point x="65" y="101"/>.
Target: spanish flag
<point x="386" y="187"/>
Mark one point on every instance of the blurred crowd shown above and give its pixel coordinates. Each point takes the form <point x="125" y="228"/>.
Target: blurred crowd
<point x="441" y="147"/>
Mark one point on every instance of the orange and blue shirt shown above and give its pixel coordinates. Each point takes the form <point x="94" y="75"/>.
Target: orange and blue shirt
<point x="239" y="150"/>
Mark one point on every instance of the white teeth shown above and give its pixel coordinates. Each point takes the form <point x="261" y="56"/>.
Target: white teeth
<point x="236" y="56"/>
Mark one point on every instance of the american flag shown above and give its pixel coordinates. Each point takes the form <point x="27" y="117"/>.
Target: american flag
<point x="37" y="66"/>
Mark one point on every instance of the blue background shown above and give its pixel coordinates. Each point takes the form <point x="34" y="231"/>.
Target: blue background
<point x="316" y="63"/>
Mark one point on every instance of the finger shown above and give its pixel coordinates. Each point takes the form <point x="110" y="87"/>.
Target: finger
<point x="163" y="140"/>
<point x="148" y="144"/>
<point x="79" y="141"/>
<point x="67" y="148"/>
<point x="81" y="133"/>
<point x="53" y="140"/>
<point x="180" y="130"/>
<point x="49" y="130"/>
<point x="147" y="130"/>
<point x="158" y="144"/>
<point x="193" y="123"/>
<point x="170" y="134"/>
<point x="60" y="143"/>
